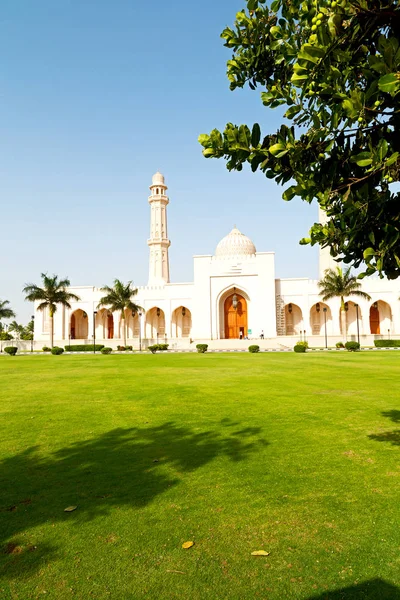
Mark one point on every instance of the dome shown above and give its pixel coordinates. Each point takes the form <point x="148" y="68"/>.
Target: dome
<point x="158" y="179"/>
<point x="235" y="244"/>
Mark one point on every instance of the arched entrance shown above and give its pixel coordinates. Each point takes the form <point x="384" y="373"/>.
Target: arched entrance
<point x="181" y="322"/>
<point x="380" y="318"/>
<point x="320" y="316"/>
<point x="155" y="323"/>
<point x="79" y="325"/>
<point x="293" y="319"/>
<point x="235" y="317"/>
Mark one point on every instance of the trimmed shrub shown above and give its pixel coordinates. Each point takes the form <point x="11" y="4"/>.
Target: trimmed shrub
<point x="159" y="347"/>
<point x="305" y="344"/>
<point x="106" y="350"/>
<point x="202" y="348"/>
<point x="299" y="348"/>
<point x="46" y="349"/>
<point x="129" y="348"/>
<point x="121" y="348"/>
<point x="352" y="346"/>
<point x="339" y="345"/>
<point x="387" y="343"/>
<point x="253" y="349"/>
<point x="84" y="348"/>
<point x="11" y="350"/>
<point x="57" y="350"/>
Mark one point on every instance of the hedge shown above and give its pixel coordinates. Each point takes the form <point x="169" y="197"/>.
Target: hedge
<point x="254" y="349"/>
<point x="57" y="350"/>
<point x="387" y="343"/>
<point x="202" y="348"/>
<point x="84" y="348"/>
<point x="11" y="350"/>
<point x="299" y="348"/>
<point x="106" y="350"/>
<point x="352" y="346"/>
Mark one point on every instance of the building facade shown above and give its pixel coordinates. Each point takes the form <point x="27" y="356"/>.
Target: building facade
<point x="234" y="296"/>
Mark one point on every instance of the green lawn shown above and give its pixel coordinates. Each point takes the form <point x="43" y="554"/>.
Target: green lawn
<point x="295" y="454"/>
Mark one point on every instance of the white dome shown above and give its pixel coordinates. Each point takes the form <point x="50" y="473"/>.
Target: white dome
<point x="158" y="178"/>
<point x="235" y="244"/>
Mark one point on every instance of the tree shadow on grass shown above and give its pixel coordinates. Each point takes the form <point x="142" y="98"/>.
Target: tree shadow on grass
<point x="392" y="437"/>
<point x="123" y="467"/>
<point x="375" y="589"/>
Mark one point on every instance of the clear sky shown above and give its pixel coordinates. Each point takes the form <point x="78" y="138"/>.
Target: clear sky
<point x="95" y="96"/>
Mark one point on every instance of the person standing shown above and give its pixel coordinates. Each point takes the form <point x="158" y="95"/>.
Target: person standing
<point x="262" y="334"/>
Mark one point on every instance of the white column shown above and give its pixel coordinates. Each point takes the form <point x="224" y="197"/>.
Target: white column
<point x="117" y="319"/>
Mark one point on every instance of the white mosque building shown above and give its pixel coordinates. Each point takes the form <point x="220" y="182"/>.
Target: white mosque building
<point x="234" y="297"/>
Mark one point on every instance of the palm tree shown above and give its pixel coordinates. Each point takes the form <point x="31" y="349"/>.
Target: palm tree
<point x="339" y="284"/>
<point x="6" y="313"/>
<point x="53" y="293"/>
<point x="16" y="328"/>
<point x="119" y="297"/>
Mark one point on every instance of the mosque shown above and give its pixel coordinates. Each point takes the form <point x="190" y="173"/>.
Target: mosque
<point x="234" y="297"/>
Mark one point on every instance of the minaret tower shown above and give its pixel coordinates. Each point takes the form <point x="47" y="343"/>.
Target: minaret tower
<point x="158" y="242"/>
<point x="326" y="261"/>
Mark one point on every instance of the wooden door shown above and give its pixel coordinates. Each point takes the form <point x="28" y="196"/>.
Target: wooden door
<point x="110" y="327"/>
<point x="235" y="319"/>
<point x="374" y="320"/>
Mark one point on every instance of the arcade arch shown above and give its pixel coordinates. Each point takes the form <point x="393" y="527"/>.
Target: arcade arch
<point x="293" y="319"/>
<point x="181" y="322"/>
<point x="79" y="326"/>
<point x="380" y="318"/>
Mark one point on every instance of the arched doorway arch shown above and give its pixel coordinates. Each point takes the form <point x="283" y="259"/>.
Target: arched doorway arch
<point x="104" y="324"/>
<point x="181" y="322"/>
<point x="155" y="323"/>
<point x="79" y="326"/>
<point x="293" y="319"/>
<point x="380" y="318"/>
<point x="320" y="313"/>
<point x="132" y="324"/>
<point x="353" y="317"/>
<point x="235" y="316"/>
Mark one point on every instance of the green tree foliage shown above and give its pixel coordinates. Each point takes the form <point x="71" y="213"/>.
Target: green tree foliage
<point x="5" y="311"/>
<point x="16" y="329"/>
<point x="341" y="284"/>
<point x="53" y="293"/>
<point x="119" y="298"/>
<point x="335" y="67"/>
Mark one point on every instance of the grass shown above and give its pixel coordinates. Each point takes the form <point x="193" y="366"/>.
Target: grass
<point x="297" y="455"/>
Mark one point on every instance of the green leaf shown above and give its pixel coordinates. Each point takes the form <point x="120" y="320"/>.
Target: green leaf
<point x="349" y="108"/>
<point x="275" y="6"/>
<point x="363" y="159"/>
<point x="203" y="139"/>
<point x="368" y="252"/>
<point x="290" y="192"/>
<point x="311" y="54"/>
<point x="392" y="159"/>
<point x="382" y="149"/>
<point x="292" y="111"/>
<point x="389" y="83"/>
<point x="255" y="135"/>
<point x="276" y="149"/>
<point x="208" y="152"/>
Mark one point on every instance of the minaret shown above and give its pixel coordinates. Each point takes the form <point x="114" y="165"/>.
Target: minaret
<point x="158" y="242"/>
<point x="326" y="261"/>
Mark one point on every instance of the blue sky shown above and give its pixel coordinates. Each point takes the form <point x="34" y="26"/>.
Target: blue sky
<point x="95" y="96"/>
